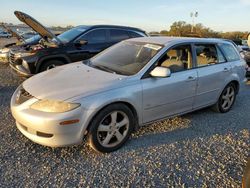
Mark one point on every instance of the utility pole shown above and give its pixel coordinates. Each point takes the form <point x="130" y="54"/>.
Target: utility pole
<point x="248" y="40"/>
<point x="193" y="15"/>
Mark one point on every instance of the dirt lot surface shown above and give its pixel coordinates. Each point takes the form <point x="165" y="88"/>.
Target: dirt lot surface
<point x="200" y="149"/>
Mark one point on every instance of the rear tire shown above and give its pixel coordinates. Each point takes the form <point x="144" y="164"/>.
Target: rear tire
<point x="50" y="65"/>
<point x="111" y="128"/>
<point x="226" y="100"/>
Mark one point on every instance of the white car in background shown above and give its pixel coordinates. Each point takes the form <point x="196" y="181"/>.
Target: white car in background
<point x="4" y="34"/>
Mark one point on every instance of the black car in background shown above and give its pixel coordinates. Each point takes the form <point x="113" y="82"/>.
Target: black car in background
<point x="76" y="44"/>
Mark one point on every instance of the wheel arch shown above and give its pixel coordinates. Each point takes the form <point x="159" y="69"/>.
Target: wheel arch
<point x="129" y="105"/>
<point x="236" y="84"/>
<point x="40" y="62"/>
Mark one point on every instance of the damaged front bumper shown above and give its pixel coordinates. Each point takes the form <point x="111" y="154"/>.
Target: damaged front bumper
<point x="4" y="55"/>
<point x="20" y="70"/>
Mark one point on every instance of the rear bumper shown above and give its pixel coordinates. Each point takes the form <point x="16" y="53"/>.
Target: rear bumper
<point x="20" y="70"/>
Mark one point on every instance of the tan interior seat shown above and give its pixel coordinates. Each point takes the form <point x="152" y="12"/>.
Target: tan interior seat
<point x="173" y="64"/>
<point x="202" y="61"/>
<point x="172" y="54"/>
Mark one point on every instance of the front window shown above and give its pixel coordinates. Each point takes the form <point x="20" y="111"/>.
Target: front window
<point x="177" y="59"/>
<point x="71" y="34"/>
<point x="126" y="58"/>
<point x="96" y="36"/>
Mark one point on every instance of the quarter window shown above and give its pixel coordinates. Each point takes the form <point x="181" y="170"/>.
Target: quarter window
<point x="118" y="35"/>
<point x="230" y="52"/>
<point x="177" y="59"/>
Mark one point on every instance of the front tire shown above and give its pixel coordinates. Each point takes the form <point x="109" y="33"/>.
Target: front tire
<point x="111" y="128"/>
<point x="226" y="100"/>
<point x="50" y="65"/>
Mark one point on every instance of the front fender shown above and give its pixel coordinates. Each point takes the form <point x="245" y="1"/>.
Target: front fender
<point x="129" y="94"/>
<point x="40" y="61"/>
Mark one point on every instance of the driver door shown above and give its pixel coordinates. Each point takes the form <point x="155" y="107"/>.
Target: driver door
<point x="163" y="97"/>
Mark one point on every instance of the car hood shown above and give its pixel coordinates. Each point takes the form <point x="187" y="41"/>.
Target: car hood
<point x="36" y="26"/>
<point x="70" y="81"/>
<point x="14" y="34"/>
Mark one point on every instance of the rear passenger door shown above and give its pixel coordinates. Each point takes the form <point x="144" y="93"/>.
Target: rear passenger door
<point x="213" y="69"/>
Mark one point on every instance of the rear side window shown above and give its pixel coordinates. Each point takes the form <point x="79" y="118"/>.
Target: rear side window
<point x="96" y="36"/>
<point x="208" y="54"/>
<point x="118" y="35"/>
<point x="230" y="52"/>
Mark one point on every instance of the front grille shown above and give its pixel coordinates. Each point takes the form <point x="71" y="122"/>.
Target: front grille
<point x="11" y="57"/>
<point x="22" y="96"/>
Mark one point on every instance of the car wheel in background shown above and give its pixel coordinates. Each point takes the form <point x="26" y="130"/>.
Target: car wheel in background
<point x="111" y="128"/>
<point x="50" y="65"/>
<point x="226" y="100"/>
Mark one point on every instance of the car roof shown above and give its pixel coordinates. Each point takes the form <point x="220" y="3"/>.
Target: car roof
<point x="166" y="40"/>
<point x="110" y="26"/>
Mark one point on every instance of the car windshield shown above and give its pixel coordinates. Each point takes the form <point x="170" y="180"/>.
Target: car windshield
<point x="126" y="58"/>
<point x="33" y="39"/>
<point x="69" y="35"/>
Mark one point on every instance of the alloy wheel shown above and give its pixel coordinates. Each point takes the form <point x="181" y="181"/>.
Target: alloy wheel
<point x="227" y="98"/>
<point x="51" y="66"/>
<point x="113" y="129"/>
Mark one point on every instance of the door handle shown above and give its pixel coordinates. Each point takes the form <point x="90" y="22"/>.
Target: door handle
<point x="191" y="78"/>
<point x="225" y="69"/>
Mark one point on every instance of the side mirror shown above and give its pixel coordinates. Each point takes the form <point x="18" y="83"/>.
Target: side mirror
<point x="81" y="42"/>
<point x="160" y="72"/>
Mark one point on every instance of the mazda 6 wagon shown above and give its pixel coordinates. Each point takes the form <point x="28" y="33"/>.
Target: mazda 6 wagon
<point x="131" y="84"/>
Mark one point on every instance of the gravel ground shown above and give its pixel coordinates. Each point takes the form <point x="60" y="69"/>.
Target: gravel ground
<point x="200" y="149"/>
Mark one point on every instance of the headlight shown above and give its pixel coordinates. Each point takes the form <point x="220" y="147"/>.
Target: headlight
<point x="4" y="50"/>
<point x="53" y="106"/>
<point x="25" y="64"/>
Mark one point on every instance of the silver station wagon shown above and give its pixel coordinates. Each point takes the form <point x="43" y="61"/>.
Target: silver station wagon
<point x="131" y="84"/>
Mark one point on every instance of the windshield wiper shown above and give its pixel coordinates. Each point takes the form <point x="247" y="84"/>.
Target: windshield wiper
<point x="103" y="68"/>
<point x="100" y="67"/>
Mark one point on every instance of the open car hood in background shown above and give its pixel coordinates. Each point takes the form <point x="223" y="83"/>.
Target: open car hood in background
<point x="14" y="34"/>
<point x="36" y="26"/>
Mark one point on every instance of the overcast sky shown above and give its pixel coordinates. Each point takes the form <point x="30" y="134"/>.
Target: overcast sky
<point x="150" y="15"/>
